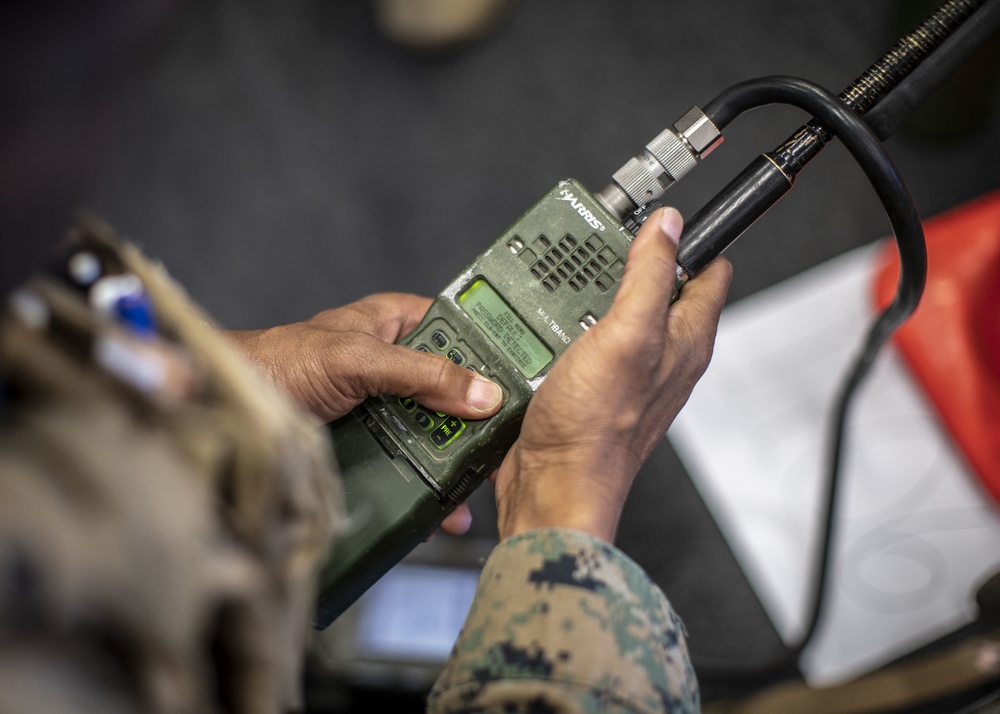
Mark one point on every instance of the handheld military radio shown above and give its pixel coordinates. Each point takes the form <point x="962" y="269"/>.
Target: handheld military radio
<point x="509" y="315"/>
<point x="553" y="274"/>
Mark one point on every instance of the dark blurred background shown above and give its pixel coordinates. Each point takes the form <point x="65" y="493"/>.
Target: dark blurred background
<point x="282" y="158"/>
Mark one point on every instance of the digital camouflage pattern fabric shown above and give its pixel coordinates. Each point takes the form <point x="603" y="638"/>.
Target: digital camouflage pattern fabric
<point x="565" y="622"/>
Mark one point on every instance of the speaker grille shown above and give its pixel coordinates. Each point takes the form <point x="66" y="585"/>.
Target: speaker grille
<point x="569" y="262"/>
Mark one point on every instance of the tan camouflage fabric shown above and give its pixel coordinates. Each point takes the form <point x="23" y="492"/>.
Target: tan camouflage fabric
<point x="565" y="622"/>
<point x="158" y="545"/>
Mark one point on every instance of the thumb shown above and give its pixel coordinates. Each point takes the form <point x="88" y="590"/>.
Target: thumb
<point x="431" y="380"/>
<point x="650" y="270"/>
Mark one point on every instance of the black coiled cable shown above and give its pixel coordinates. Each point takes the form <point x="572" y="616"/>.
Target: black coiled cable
<point x="906" y="226"/>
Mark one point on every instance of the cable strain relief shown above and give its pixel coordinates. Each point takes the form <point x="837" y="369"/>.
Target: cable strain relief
<point x="800" y="148"/>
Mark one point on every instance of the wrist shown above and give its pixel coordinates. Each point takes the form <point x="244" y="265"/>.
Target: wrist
<point x="578" y="519"/>
<point x="242" y="340"/>
<point x="546" y="491"/>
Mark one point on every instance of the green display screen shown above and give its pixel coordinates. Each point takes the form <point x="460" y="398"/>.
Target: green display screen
<point x="505" y="328"/>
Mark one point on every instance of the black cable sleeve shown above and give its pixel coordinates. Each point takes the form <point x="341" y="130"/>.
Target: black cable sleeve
<point x="877" y="82"/>
<point x="926" y="78"/>
<point x="904" y="219"/>
<point x="866" y="149"/>
<point x="730" y="213"/>
<point x="885" y="94"/>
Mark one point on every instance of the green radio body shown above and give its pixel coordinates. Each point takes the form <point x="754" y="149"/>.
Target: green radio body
<point x="509" y="315"/>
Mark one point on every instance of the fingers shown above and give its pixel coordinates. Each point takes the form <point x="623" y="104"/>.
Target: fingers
<point x="458" y="521"/>
<point x="703" y="297"/>
<point x="387" y="316"/>
<point x="413" y="308"/>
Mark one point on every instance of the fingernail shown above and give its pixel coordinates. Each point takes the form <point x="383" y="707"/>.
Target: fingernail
<point x="484" y="395"/>
<point x="672" y="224"/>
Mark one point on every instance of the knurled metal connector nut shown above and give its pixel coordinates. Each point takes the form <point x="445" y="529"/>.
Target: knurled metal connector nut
<point x="638" y="182"/>
<point x="673" y="154"/>
<point x="698" y="131"/>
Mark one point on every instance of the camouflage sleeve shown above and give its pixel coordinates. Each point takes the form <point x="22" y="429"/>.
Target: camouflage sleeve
<point x="564" y="622"/>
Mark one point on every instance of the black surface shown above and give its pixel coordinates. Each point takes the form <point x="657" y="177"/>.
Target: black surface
<point x="281" y="158"/>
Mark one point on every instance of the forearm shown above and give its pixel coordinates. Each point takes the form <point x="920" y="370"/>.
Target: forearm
<point x="563" y="617"/>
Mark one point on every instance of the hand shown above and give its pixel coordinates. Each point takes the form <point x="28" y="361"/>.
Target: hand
<point x="611" y="397"/>
<point x="334" y="361"/>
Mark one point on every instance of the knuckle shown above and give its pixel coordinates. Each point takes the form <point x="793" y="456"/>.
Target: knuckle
<point x="367" y="357"/>
<point x="370" y="306"/>
<point x="702" y="355"/>
<point x="440" y="372"/>
<point x="696" y="343"/>
<point x="722" y="268"/>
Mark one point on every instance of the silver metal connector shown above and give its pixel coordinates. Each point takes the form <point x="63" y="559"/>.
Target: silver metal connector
<point x="680" y="280"/>
<point x="698" y="132"/>
<point x="667" y="158"/>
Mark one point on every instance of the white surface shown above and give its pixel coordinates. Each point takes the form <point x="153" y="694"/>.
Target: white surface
<point x="415" y="612"/>
<point x="916" y="534"/>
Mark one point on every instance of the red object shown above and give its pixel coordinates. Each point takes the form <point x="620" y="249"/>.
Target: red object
<point x="952" y="341"/>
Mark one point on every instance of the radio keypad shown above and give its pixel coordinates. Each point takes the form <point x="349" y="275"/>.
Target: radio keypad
<point x="439" y="339"/>
<point x="441" y="429"/>
<point x="447" y="432"/>
<point x="407" y="403"/>
<point x="424" y="420"/>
